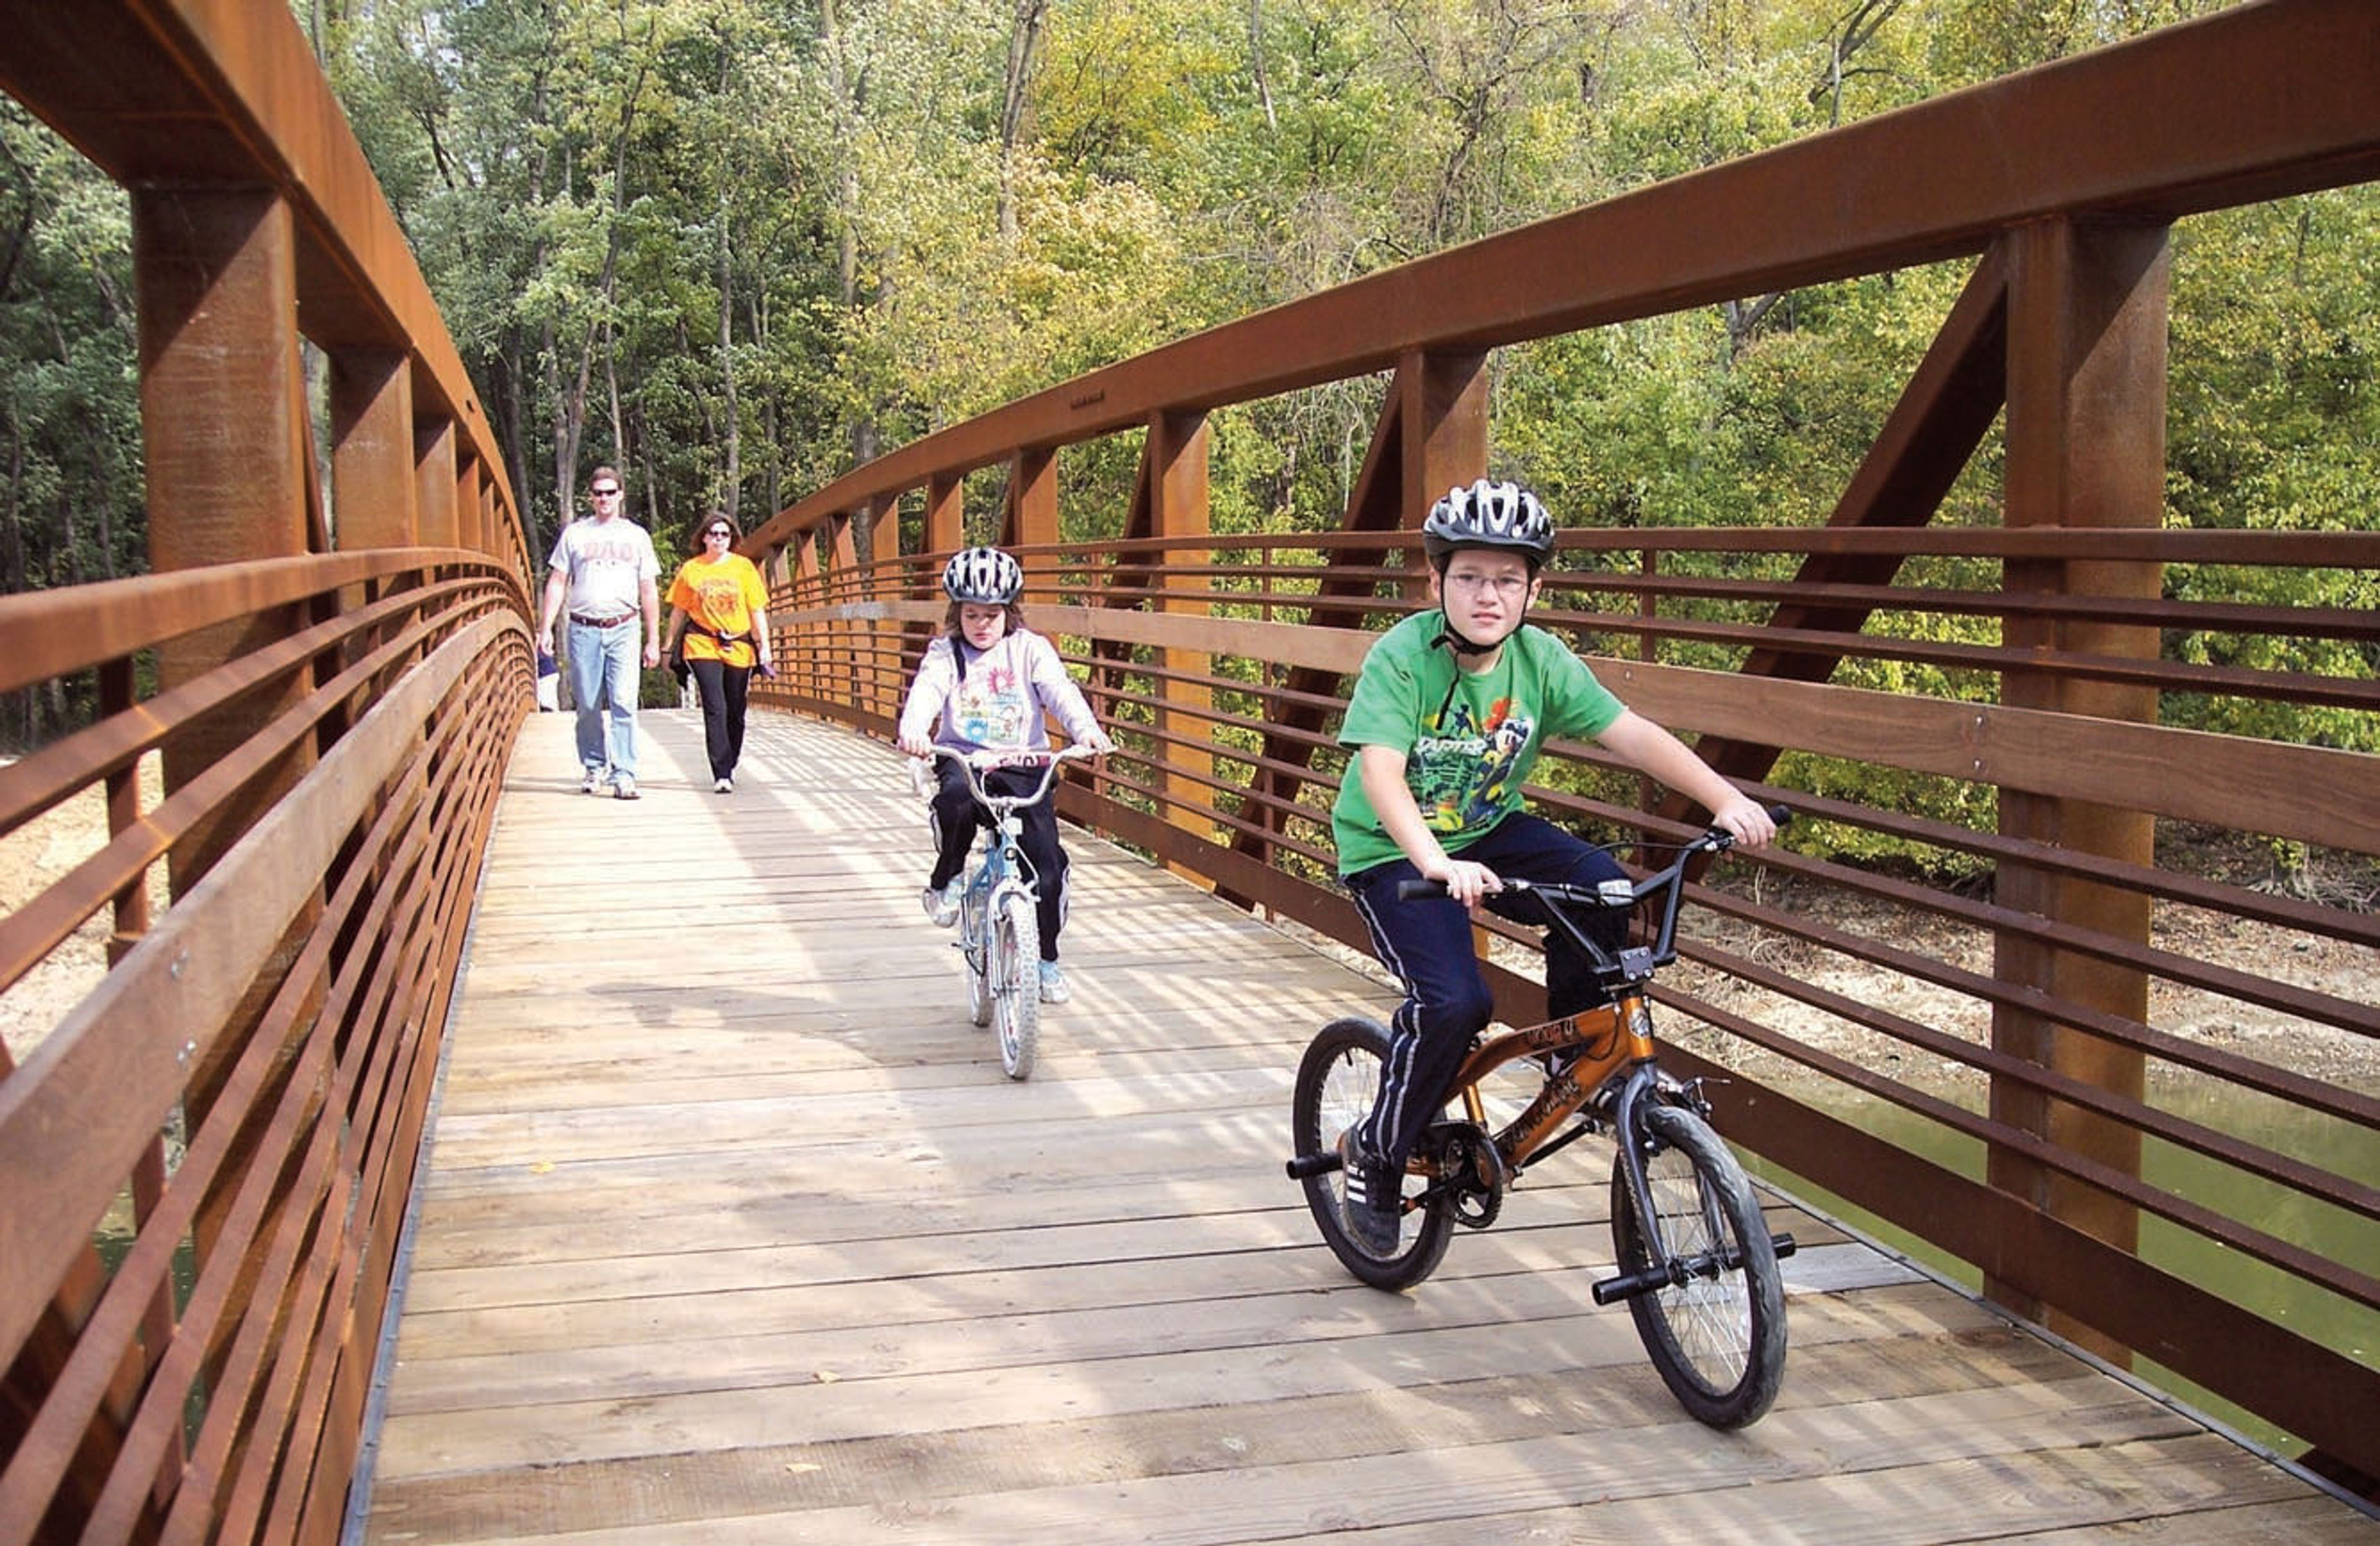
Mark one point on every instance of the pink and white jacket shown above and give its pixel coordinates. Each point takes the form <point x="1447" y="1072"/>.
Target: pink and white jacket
<point x="999" y="701"/>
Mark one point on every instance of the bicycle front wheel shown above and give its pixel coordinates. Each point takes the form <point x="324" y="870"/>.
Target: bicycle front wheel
<point x="1337" y="1081"/>
<point x="1016" y="984"/>
<point x="1717" y="1337"/>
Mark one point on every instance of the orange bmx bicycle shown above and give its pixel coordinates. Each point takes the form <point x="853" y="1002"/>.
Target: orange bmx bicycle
<point x="1697" y="1263"/>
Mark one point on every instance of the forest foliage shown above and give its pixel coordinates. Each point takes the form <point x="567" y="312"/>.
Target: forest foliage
<point x="735" y="247"/>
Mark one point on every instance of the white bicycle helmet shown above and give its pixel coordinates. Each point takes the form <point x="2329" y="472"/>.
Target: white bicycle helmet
<point x="1489" y="513"/>
<point x="984" y="575"/>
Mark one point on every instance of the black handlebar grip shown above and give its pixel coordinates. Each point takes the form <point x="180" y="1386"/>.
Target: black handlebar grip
<point x="1417" y="889"/>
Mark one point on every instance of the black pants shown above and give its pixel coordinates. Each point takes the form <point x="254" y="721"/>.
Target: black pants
<point x="1427" y="944"/>
<point x="956" y="818"/>
<point x="724" y="688"/>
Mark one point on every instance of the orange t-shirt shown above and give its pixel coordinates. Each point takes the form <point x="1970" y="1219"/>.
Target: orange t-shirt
<point x="721" y="597"/>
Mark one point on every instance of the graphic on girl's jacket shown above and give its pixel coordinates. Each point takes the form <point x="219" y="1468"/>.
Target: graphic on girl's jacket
<point x="993" y="705"/>
<point x="998" y="699"/>
<point x="1461" y="770"/>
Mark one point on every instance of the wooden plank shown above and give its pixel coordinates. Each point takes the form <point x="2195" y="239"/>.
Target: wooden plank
<point x="777" y="1255"/>
<point x="1307" y="1430"/>
<point x="1083" y="1314"/>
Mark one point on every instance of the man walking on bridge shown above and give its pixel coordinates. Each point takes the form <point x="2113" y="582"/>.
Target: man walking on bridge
<point x="606" y="569"/>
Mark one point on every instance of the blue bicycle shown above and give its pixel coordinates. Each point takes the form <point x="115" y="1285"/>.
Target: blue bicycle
<point x="999" y="924"/>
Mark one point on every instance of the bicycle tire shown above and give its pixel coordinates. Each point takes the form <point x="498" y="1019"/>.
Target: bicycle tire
<point x="1337" y="1081"/>
<point x="1718" y="1338"/>
<point x="1016" y="984"/>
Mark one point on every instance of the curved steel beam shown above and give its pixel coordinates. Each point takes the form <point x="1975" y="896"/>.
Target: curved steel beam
<point x="226" y="93"/>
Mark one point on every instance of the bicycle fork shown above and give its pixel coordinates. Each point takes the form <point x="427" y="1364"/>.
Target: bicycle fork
<point x="1666" y="1270"/>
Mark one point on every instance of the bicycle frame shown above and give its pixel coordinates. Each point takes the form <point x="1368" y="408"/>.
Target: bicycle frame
<point x="1697" y="1262"/>
<point x="1616" y="1067"/>
<point x="999" y="868"/>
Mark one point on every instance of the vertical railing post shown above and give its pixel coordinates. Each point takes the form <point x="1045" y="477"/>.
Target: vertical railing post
<point x="1177" y="453"/>
<point x="216" y="274"/>
<point x="842" y="589"/>
<point x="1033" y="517"/>
<point x="2086" y="408"/>
<point x="372" y="459"/>
<point x="810" y="592"/>
<point x="869" y="691"/>
<point x="373" y="493"/>
<point x="433" y="489"/>
<point x="944" y="531"/>
<point x="1442" y="425"/>
<point x="471" y="502"/>
<point x="945" y="512"/>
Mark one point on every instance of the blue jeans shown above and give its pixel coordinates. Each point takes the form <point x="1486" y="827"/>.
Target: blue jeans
<point x="604" y="676"/>
<point x="1427" y="944"/>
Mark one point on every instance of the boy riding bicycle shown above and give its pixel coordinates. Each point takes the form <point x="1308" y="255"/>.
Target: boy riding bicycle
<point x="1446" y="719"/>
<point x="986" y="683"/>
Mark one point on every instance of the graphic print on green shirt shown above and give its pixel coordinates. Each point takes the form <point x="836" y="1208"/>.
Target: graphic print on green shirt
<point x="1461" y="767"/>
<point x="1469" y="741"/>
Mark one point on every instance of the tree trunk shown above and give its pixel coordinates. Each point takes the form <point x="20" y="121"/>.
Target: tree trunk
<point x="848" y="105"/>
<point x="733" y="498"/>
<point x="1255" y="62"/>
<point x="1023" y="38"/>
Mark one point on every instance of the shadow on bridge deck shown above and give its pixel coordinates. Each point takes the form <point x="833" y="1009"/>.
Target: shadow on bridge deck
<point x="733" y="1231"/>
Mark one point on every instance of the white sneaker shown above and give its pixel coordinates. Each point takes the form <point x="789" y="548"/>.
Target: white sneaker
<point x="624" y="787"/>
<point x="943" y="905"/>
<point x="722" y="786"/>
<point x="594" y="777"/>
<point x="1053" y="983"/>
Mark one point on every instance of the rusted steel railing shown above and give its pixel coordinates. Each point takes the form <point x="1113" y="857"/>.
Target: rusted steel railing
<point x="2034" y="1045"/>
<point x="301" y="721"/>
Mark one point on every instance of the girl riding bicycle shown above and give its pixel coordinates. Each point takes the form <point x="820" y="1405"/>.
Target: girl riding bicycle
<point x="986" y="683"/>
<point x="1446" y="719"/>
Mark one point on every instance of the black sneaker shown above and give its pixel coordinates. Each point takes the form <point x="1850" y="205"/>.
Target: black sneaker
<point x="1368" y="1197"/>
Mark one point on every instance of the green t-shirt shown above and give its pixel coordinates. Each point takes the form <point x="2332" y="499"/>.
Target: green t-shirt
<point x="1468" y="751"/>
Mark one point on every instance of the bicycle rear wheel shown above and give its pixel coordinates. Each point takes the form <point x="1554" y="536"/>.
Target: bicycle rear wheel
<point x="1337" y="1081"/>
<point x="1016" y="984"/>
<point x="1718" y="1336"/>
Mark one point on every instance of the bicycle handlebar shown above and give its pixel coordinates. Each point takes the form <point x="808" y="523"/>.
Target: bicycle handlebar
<point x="1619" y="893"/>
<point x="1715" y="841"/>
<point x="975" y="765"/>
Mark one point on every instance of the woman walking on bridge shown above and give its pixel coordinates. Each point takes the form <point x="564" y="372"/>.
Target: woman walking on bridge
<point x="718" y="605"/>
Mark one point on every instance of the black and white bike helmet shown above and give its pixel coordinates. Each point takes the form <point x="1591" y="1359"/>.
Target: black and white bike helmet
<point x="1489" y="513"/>
<point x="984" y="575"/>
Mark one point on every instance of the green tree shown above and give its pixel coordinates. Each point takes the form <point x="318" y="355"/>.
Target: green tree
<point x="72" y="503"/>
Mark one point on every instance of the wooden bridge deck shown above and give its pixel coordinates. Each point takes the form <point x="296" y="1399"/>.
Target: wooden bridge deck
<point x="732" y="1232"/>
